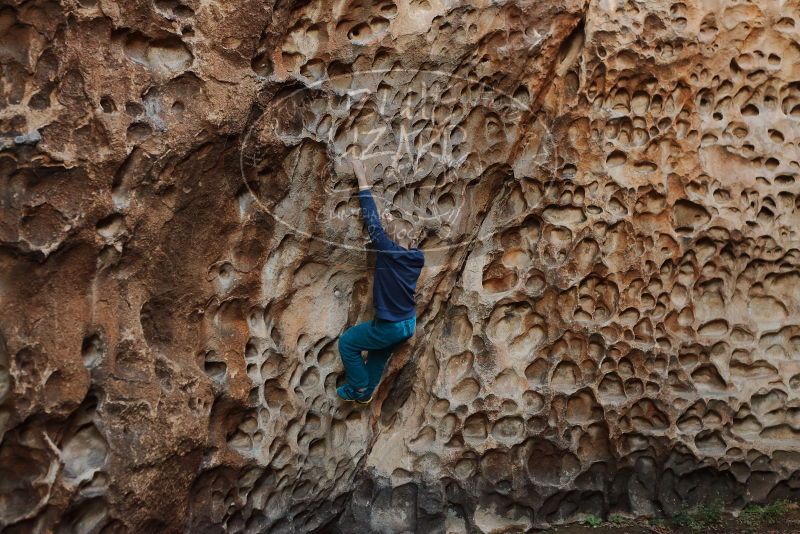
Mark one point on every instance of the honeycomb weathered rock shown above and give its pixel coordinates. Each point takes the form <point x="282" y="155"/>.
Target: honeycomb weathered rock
<point x="609" y="319"/>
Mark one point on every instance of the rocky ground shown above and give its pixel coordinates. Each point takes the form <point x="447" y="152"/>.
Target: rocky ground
<point x="779" y="517"/>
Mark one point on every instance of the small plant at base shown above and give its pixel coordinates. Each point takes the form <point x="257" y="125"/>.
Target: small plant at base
<point x="754" y="514"/>
<point x="593" y="521"/>
<point x="617" y="519"/>
<point x="700" y="517"/>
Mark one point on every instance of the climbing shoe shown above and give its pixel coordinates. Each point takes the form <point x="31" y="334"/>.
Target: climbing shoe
<point x="349" y="393"/>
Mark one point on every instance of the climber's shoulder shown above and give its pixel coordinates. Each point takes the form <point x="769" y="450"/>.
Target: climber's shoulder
<point x="411" y="257"/>
<point x="417" y="255"/>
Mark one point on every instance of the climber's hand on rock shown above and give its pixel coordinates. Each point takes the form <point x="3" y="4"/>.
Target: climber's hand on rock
<point x="360" y="172"/>
<point x="358" y="167"/>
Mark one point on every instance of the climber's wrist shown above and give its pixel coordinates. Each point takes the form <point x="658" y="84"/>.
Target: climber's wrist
<point x="362" y="182"/>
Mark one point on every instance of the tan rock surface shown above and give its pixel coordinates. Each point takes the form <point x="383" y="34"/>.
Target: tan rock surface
<point x="608" y="320"/>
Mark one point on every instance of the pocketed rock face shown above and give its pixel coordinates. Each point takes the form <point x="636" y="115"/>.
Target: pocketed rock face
<point x="609" y="317"/>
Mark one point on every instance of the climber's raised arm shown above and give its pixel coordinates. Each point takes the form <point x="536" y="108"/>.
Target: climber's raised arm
<point x="368" y="209"/>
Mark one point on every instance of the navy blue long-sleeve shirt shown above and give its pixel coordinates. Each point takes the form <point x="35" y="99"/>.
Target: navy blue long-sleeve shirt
<point x="396" y="268"/>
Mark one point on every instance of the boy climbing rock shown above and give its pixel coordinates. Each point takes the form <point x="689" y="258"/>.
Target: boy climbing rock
<point x="397" y="268"/>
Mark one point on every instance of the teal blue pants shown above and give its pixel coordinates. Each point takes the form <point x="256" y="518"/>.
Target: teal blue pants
<point x="379" y="338"/>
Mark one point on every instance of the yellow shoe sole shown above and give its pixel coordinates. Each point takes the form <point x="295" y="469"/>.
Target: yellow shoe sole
<point x="366" y="401"/>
